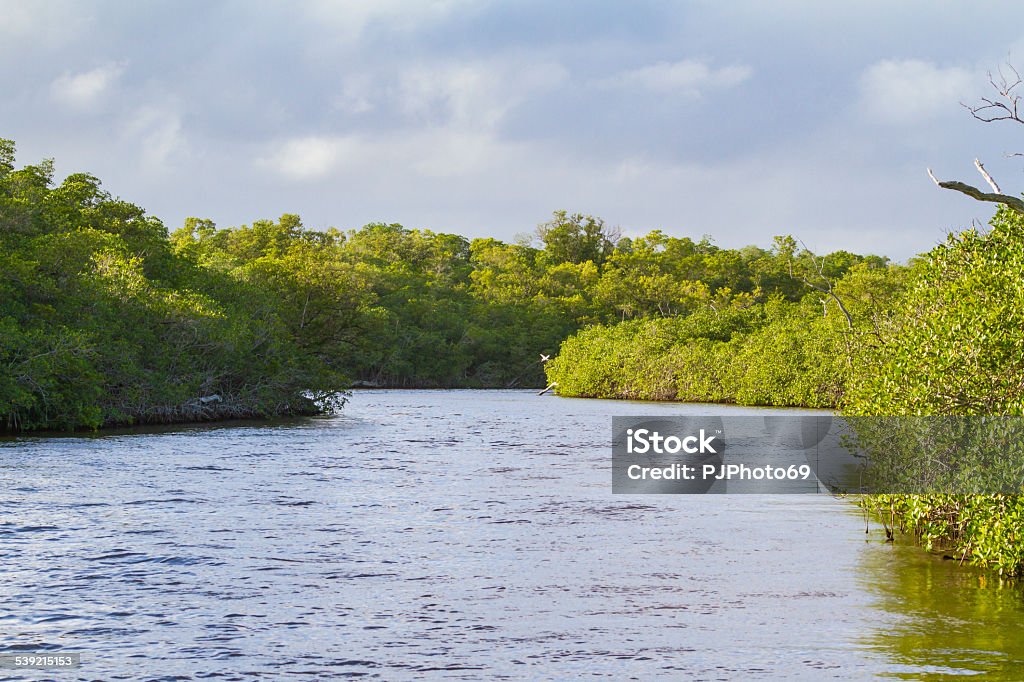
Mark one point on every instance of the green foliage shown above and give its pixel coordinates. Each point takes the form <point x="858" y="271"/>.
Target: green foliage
<point x="102" y="322"/>
<point x="985" y="530"/>
<point x="766" y="354"/>
<point x="954" y="345"/>
<point x="796" y="358"/>
<point x="956" y="342"/>
<point x="405" y="307"/>
<point x="734" y="341"/>
<point x="576" y="238"/>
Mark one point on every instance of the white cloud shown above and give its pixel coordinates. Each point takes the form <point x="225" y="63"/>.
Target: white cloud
<point x="430" y="153"/>
<point x="912" y="90"/>
<point x="457" y="95"/>
<point x="305" y="158"/>
<point x="473" y="96"/>
<point x="689" y="76"/>
<point x="42" y="24"/>
<point x="88" y="89"/>
<point x="158" y="135"/>
<point x="453" y="154"/>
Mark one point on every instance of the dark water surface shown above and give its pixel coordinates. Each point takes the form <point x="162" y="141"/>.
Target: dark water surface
<point x="459" y="534"/>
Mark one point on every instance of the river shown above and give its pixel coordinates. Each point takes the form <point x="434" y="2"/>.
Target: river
<point x="457" y="534"/>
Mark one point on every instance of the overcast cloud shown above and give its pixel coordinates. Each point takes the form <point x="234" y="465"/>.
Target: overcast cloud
<point x="741" y="120"/>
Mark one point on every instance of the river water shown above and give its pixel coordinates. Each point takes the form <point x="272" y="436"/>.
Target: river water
<point x="457" y="534"/>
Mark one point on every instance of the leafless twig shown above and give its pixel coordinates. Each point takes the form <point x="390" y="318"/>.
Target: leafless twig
<point x="819" y="265"/>
<point x="1006" y="107"/>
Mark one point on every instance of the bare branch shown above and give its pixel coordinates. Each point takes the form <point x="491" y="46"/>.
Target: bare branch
<point x="1007" y="106"/>
<point x="1013" y="203"/>
<point x="988" y="178"/>
<point x="819" y="265"/>
<point x="1003" y="106"/>
<point x="990" y="111"/>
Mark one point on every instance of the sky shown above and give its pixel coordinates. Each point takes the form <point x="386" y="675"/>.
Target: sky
<point x="740" y="120"/>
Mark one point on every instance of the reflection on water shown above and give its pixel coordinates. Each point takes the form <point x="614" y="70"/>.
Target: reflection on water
<point x="461" y="534"/>
<point x="938" y="620"/>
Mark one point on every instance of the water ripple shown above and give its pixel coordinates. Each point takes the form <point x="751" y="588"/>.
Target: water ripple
<point x="458" y="534"/>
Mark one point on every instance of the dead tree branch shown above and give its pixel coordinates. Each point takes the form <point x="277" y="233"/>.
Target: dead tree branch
<point x="1006" y="107"/>
<point x="1013" y="203"/>
<point x="827" y="289"/>
<point x="988" y="178"/>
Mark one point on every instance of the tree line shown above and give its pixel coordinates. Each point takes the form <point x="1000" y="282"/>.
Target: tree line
<point x="107" y="317"/>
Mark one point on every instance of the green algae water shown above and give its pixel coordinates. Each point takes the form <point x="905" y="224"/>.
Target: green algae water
<point x="939" y="620"/>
